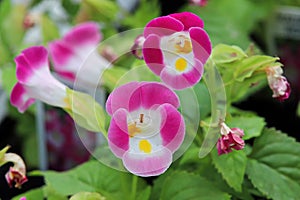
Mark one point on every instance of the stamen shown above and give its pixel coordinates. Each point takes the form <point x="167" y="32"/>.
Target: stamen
<point x="141" y="118"/>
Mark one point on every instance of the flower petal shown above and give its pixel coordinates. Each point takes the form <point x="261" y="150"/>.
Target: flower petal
<point x="86" y="34"/>
<point x="30" y="61"/>
<point x="145" y="165"/>
<point x="152" y="54"/>
<point x="161" y="26"/>
<point x="181" y="81"/>
<point x="172" y="127"/>
<point x="118" y="138"/>
<point x="134" y="95"/>
<point x="121" y="97"/>
<point x="20" y="99"/>
<point x="188" y="20"/>
<point x="153" y="93"/>
<point x="201" y="44"/>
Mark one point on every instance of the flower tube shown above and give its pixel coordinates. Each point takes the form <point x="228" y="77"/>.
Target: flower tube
<point x="35" y="81"/>
<point x="146" y="128"/>
<point x="176" y="47"/>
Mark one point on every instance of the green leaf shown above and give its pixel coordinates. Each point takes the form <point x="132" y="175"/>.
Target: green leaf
<point x="86" y="112"/>
<point x="100" y="10"/>
<point x="49" y="29"/>
<point x="31" y="194"/>
<point x="182" y="185"/>
<point x="87" y="196"/>
<point x="8" y="78"/>
<point x="203" y="97"/>
<point x="225" y="53"/>
<point x="111" y="76"/>
<point x="232" y="166"/>
<point x="252" y="125"/>
<point x="2" y="153"/>
<point x="274" y="167"/>
<point x="146" y="11"/>
<point x="144" y="194"/>
<point x="246" y="67"/>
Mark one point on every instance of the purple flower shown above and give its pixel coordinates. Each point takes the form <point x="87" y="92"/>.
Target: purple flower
<point x="278" y="83"/>
<point x="176" y="47"/>
<point x="200" y="3"/>
<point x="146" y="128"/>
<point x="230" y="139"/>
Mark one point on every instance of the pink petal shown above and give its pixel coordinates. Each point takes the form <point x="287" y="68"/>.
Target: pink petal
<point x="172" y="127"/>
<point x="118" y="138"/>
<point x="152" y="54"/>
<point x="188" y="20"/>
<point x="161" y="26"/>
<point x="134" y="95"/>
<point x="153" y="93"/>
<point x="121" y="97"/>
<point x="29" y="61"/>
<point x="145" y="165"/>
<point x="201" y="44"/>
<point x="184" y="80"/>
<point x="20" y="99"/>
<point x="83" y="34"/>
<point x="60" y="53"/>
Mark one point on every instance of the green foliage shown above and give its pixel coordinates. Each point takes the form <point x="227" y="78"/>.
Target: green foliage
<point x="274" y="167"/>
<point x="49" y="29"/>
<point x="252" y="125"/>
<point x="31" y="194"/>
<point x="87" y="196"/>
<point x="230" y="21"/>
<point x="146" y="11"/>
<point x="232" y="166"/>
<point x="183" y="185"/>
<point x="86" y="112"/>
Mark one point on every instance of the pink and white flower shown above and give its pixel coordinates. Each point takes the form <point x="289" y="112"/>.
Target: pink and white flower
<point x="75" y="56"/>
<point x="230" y="139"/>
<point x="17" y="173"/>
<point x="146" y="127"/>
<point x="35" y="81"/>
<point x="176" y="47"/>
<point x="278" y="83"/>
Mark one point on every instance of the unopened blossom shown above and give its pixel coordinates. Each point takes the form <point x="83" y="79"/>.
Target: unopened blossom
<point x="278" y="83"/>
<point x="176" y="47"/>
<point x="35" y="81"/>
<point x="230" y="139"/>
<point x="17" y="173"/>
<point x="146" y="128"/>
<point x="75" y="56"/>
<point x="137" y="47"/>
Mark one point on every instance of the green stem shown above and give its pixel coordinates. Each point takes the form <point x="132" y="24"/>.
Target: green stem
<point x="133" y="187"/>
<point x="217" y="92"/>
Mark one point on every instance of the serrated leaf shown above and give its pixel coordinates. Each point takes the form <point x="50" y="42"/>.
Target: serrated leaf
<point x="85" y="111"/>
<point x="182" y="185"/>
<point x="274" y="167"/>
<point x="232" y="166"/>
<point x="225" y="53"/>
<point x="252" y="125"/>
<point x="90" y="177"/>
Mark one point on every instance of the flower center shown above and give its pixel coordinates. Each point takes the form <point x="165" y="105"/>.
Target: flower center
<point x="183" y="44"/>
<point x="141" y="126"/>
<point x="180" y="64"/>
<point x="145" y="146"/>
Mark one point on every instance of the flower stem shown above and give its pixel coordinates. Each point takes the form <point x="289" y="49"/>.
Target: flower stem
<point x="217" y="93"/>
<point x="133" y="187"/>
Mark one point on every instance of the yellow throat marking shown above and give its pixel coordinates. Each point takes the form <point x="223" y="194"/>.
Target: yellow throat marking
<point x="145" y="146"/>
